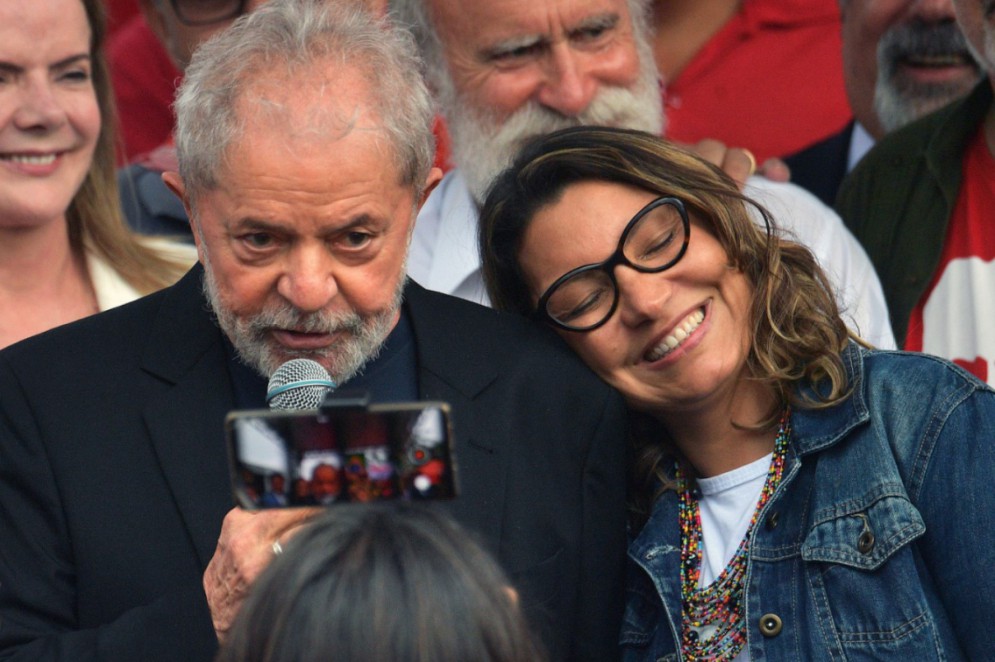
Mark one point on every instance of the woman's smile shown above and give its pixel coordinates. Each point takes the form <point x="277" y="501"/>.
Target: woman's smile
<point x="677" y="336"/>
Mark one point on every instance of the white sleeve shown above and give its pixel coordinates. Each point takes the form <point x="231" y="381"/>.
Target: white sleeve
<point x="803" y="217"/>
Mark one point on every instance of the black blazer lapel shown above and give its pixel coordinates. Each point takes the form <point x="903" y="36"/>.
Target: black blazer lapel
<point x="186" y="424"/>
<point x="457" y="371"/>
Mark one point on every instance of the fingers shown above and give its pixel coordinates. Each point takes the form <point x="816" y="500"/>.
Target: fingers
<point x="713" y="151"/>
<point x="225" y="594"/>
<point x="752" y="160"/>
<point x="775" y="170"/>
<point x="248" y="542"/>
<point x="737" y="162"/>
<point x="287" y="527"/>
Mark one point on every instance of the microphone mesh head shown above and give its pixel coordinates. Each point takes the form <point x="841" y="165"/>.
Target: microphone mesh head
<point x="299" y="384"/>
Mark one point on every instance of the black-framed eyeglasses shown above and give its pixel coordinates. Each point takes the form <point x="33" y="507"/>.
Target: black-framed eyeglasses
<point x="653" y="241"/>
<point x="207" y="12"/>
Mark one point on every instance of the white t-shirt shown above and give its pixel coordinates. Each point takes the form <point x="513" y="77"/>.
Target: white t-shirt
<point x="727" y="504"/>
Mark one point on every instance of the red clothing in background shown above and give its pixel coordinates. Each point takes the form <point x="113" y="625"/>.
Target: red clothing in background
<point x="770" y="80"/>
<point x="118" y="13"/>
<point x="954" y="317"/>
<point x="144" y="80"/>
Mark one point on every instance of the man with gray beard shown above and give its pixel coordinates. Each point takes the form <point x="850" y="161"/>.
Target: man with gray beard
<point x="305" y="150"/>
<point x="362" y="337"/>
<point x="504" y="71"/>
<point x="902" y="59"/>
<point x="921" y="203"/>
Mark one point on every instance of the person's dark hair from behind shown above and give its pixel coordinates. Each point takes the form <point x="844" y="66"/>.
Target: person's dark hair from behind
<point x="381" y="582"/>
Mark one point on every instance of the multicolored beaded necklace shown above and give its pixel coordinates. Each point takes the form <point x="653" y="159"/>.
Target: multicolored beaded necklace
<point x="719" y="606"/>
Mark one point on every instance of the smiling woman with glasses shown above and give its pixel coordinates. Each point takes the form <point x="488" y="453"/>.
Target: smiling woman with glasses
<point x="795" y="494"/>
<point x="654" y="240"/>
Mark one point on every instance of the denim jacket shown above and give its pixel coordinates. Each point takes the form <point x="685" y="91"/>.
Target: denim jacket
<point x="879" y="543"/>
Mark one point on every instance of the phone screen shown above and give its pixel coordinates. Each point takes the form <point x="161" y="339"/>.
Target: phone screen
<point x="341" y="455"/>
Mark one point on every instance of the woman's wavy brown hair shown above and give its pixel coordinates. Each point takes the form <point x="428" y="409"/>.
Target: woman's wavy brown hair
<point x="798" y="334"/>
<point x="94" y="216"/>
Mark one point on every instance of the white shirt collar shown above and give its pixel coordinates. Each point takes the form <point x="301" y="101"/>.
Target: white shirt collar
<point x="860" y="143"/>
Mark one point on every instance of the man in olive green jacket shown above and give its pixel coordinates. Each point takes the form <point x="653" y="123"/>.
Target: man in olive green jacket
<point x="898" y="200"/>
<point x="923" y="204"/>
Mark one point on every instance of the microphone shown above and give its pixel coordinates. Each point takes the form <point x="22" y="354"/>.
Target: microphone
<point x="299" y="384"/>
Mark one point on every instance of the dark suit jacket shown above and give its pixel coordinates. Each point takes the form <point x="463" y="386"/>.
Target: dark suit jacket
<point x="821" y="167"/>
<point x="114" y="477"/>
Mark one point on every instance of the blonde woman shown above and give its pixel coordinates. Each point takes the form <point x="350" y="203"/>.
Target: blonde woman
<point x="64" y="250"/>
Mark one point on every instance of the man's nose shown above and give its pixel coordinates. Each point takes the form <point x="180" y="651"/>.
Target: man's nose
<point x="569" y="85"/>
<point x="933" y="11"/>
<point x="308" y="282"/>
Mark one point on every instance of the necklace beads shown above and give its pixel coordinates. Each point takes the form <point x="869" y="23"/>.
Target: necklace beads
<point x="714" y="629"/>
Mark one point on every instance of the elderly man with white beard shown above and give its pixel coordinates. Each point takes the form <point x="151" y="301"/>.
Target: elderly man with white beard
<point x="507" y="70"/>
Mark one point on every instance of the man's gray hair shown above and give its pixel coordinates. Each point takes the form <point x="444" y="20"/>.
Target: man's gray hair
<point x="414" y="14"/>
<point x="295" y="35"/>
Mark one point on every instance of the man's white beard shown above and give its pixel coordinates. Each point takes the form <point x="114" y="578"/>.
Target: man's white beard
<point x="483" y="145"/>
<point x="361" y="338"/>
<point x="899" y="101"/>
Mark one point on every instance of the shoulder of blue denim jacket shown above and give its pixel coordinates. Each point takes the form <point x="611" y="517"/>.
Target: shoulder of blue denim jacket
<point x="863" y="532"/>
<point x="912" y="394"/>
<point x="899" y="393"/>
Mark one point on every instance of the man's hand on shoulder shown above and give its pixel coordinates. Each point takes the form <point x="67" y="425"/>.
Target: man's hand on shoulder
<point x="249" y="540"/>
<point x="739" y="162"/>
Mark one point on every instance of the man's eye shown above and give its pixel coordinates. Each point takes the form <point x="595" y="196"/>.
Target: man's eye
<point x="591" y="33"/>
<point x="357" y="239"/>
<point x="517" y="53"/>
<point x="258" y="240"/>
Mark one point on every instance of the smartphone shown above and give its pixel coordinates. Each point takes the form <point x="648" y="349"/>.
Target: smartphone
<point x="283" y="459"/>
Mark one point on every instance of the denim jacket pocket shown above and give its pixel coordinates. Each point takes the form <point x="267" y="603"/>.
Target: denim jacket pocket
<point x="863" y="533"/>
<point x="863" y="581"/>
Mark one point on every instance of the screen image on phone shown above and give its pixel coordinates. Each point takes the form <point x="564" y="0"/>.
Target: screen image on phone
<point x="334" y="455"/>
